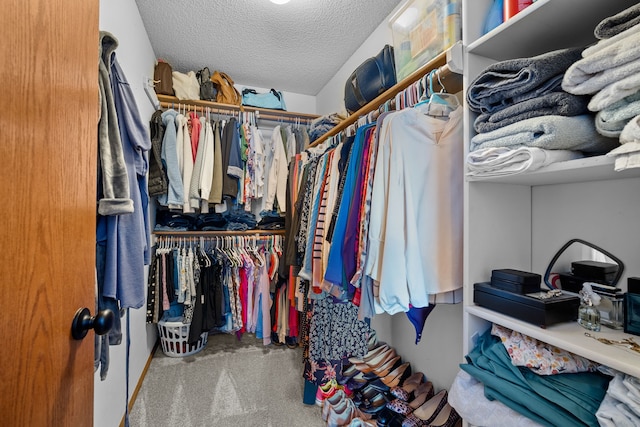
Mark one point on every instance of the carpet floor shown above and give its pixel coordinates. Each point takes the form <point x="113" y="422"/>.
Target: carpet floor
<point x="230" y="382"/>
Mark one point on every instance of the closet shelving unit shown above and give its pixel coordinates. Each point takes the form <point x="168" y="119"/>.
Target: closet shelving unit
<point x="449" y="65"/>
<point x="521" y="221"/>
<point x="167" y="101"/>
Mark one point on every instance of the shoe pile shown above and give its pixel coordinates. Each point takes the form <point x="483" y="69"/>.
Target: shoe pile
<point x="380" y="390"/>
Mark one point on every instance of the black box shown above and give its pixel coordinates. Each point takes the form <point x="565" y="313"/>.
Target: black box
<point x="521" y="282"/>
<point x="529" y="308"/>
<point x="594" y="270"/>
<point x="572" y="283"/>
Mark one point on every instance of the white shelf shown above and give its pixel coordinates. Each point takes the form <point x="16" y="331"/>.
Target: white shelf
<point x="570" y="336"/>
<point x="542" y="27"/>
<point x="597" y="168"/>
<point x="521" y="220"/>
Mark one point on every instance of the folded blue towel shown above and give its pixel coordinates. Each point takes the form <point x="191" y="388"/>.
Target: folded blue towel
<point x="554" y="103"/>
<point x="611" y="120"/>
<point x="515" y="80"/>
<point x="576" y="133"/>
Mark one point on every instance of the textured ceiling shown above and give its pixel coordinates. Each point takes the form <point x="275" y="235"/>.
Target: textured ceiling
<point x="294" y="47"/>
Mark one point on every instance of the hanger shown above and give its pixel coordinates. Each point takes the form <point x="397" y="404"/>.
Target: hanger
<point x="442" y="99"/>
<point x="203" y="253"/>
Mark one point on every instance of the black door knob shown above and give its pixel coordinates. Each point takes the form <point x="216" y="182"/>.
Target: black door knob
<point x="101" y="323"/>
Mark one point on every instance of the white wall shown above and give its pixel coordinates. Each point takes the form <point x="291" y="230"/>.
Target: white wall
<point x="135" y="55"/>
<point x="330" y="99"/>
<point x="439" y="352"/>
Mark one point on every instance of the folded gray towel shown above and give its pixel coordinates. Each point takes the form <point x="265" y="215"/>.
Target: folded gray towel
<point x="515" y="80"/>
<point x="576" y="133"/>
<point x="611" y="120"/>
<point x="617" y="23"/>
<point x="554" y="103"/>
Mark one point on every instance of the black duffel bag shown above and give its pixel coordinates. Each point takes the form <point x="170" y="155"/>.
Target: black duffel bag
<point x="370" y="79"/>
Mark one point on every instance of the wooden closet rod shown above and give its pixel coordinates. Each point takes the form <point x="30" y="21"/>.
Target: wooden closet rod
<point x="220" y="233"/>
<point x="229" y="109"/>
<point x="440" y="62"/>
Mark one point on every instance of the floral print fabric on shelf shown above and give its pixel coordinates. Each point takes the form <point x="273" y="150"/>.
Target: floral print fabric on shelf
<point x="540" y="357"/>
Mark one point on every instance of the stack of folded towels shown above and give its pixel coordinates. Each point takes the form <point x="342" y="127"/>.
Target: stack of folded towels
<point x="526" y="120"/>
<point x="609" y="71"/>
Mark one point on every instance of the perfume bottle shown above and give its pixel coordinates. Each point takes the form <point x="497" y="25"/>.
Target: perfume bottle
<point x="588" y="314"/>
<point x="632" y="306"/>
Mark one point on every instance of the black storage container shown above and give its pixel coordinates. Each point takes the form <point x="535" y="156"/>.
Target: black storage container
<point x="594" y="270"/>
<point x="530" y="308"/>
<point x="520" y="282"/>
<point x="573" y="283"/>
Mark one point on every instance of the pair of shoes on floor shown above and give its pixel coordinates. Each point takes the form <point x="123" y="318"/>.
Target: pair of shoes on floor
<point x="377" y="362"/>
<point x="328" y="389"/>
<point x="415" y="400"/>
<point x="291" y="342"/>
<point x="339" y="410"/>
<point x="435" y="412"/>
<point x="412" y="394"/>
<point x="392" y="375"/>
<point x="407" y="390"/>
<point x="374" y="358"/>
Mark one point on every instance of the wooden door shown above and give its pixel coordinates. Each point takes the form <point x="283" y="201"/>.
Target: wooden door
<point x="48" y="125"/>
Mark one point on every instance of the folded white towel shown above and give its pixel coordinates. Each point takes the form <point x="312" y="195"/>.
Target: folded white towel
<point x="499" y="161"/>
<point x="606" y="62"/>
<point x="631" y="132"/>
<point x="614" y="92"/>
<point x="627" y="156"/>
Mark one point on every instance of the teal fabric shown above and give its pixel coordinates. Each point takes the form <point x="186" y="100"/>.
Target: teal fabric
<point x="551" y="400"/>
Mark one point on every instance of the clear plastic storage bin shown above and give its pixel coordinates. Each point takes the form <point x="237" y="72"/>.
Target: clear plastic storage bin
<point x="422" y="29"/>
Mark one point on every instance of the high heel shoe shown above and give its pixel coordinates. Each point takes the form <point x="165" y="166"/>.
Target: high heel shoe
<point x="427" y="412"/>
<point x="348" y="371"/>
<point x="447" y="417"/>
<point x="370" y="354"/>
<point x="398" y="375"/>
<point x="365" y="394"/>
<point x="387" y="367"/>
<point x="356" y="382"/>
<point x="378" y="361"/>
<point x="406" y="390"/>
<point x="423" y="393"/>
<point x="374" y="405"/>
